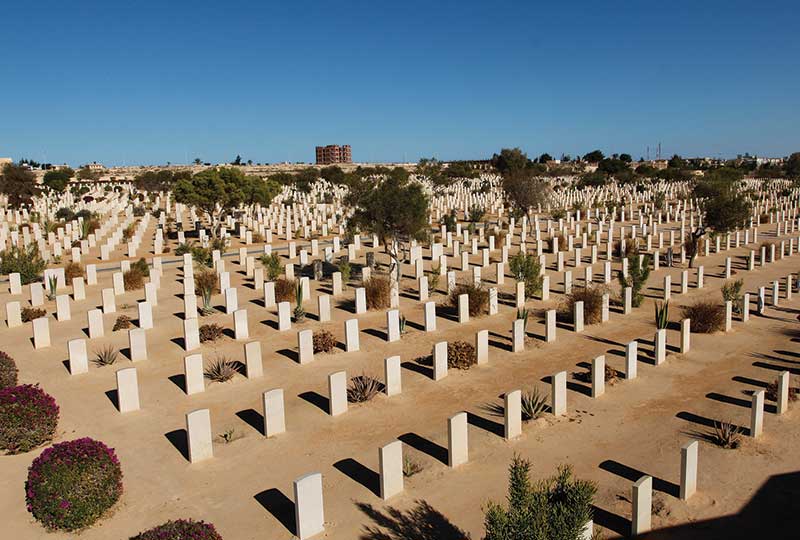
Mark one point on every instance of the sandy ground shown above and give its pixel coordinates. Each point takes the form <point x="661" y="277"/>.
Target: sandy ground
<point x="637" y="427"/>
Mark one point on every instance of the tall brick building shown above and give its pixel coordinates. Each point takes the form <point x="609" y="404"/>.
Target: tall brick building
<point x="333" y="153"/>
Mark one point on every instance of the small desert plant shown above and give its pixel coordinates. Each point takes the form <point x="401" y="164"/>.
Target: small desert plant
<point x="285" y="290"/>
<point x="220" y="370"/>
<point x="345" y="268"/>
<point x="133" y="279"/>
<point x="706" y="316"/>
<point x="52" y="287"/>
<point x="478" y="298"/>
<point x="732" y="291"/>
<point x="228" y="436"/>
<point x="523" y="314"/>
<point x="661" y="314"/>
<point x="460" y="355"/>
<point x="272" y="264"/>
<point x="592" y="298"/>
<point x="323" y="341"/>
<point x="181" y="529"/>
<point x="72" y="271"/>
<point x="28" y="418"/>
<point x="123" y="322"/>
<point x="378" y="292"/>
<point x="637" y="277"/>
<point x="26" y="261"/>
<point x="299" y="312"/>
<point x="402" y="324"/>
<point x="206" y="282"/>
<point x="210" y="332"/>
<point x="106" y="356"/>
<point x="29" y="314"/>
<point x="141" y="267"/>
<point x="526" y="268"/>
<point x="411" y="467"/>
<point x="72" y="484"/>
<point x="8" y="371"/>
<point x="363" y="388"/>
<point x="726" y="435"/>
<point x="433" y="279"/>
<point x="534" y="404"/>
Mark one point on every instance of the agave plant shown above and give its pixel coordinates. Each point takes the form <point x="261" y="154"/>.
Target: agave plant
<point x="534" y="404"/>
<point x="106" y="356"/>
<point x="299" y="312"/>
<point x="221" y="370"/>
<point x="52" y="285"/>
<point x="363" y="388"/>
<point x="726" y="435"/>
<point x="662" y="314"/>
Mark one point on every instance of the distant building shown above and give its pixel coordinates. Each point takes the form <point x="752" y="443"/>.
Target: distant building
<point x="333" y="153"/>
<point x="94" y="166"/>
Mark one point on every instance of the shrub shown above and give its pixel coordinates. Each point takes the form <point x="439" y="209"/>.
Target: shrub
<point x="106" y="356"/>
<point x="732" y="291"/>
<point x="526" y="268"/>
<point x="199" y="254"/>
<point x="771" y="392"/>
<point x="141" y="267"/>
<point x="27" y="261"/>
<point x="206" y="283"/>
<point x="323" y="341"/>
<point x="345" y="269"/>
<point x="378" y="292"/>
<point x="411" y="467"/>
<point x="180" y="529"/>
<point x="272" y="264"/>
<point x="534" y="404"/>
<point x="362" y="388"/>
<point x="123" y="322"/>
<point x="133" y="279"/>
<point x="221" y="370"/>
<point x="8" y="371"/>
<point x="433" y="279"/>
<point x="478" y="298"/>
<point x="592" y="298"/>
<point x="31" y="313"/>
<point x="28" y="418"/>
<point x="72" y="271"/>
<point x="726" y="435"/>
<point x="705" y="316"/>
<point x="210" y="332"/>
<point x="460" y="355"/>
<point x="72" y="484"/>
<point x="637" y="277"/>
<point x="556" y="508"/>
<point x="285" y="290"/>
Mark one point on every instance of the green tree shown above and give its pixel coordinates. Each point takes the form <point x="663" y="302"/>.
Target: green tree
<point x="523" y="190"/>
<point x="378" y="210"/>
<point x="676" y="162"/>
<point x="793" y="165"/>
<point x="27" y="261"/>
<point x="197" y="161"/>
<point x="544" y="158"/>
<point x="525" y="267"/>
<point x="19" y="184"/>
<point x="58" y="179"/>
<point x="557" y="508"/>
<point x="594" y="156"/>
<point x="256" y="190"/>
<point x="509" y="160"/>
<point x="626" y="158"/>
<point x="215" y="191"/>
<point x="333" y="174"/>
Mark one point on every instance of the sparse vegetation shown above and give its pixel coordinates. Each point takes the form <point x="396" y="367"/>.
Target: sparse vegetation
<point x="411" y="467"/>
<point x="285" y="290"/>
<point x="323" y="341"/>
<point x="123" y="322"/>
<point x="378" y="292"/>
<point x="210" y="332"/>
<point x="478" y="298"/>
<point x="706" y="316"/>
<point x="29" y="314"/>
<point x="592" y="298"/>
<point x="460" y="355"/>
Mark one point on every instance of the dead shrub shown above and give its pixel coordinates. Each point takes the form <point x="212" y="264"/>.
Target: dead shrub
<point x="123" y="322"/>
<point x="706" y="316"/>
<point x="285" y="290"/>
<point x="210" y="332"/>
<point x="592" y="298"/>
<point x="323" y="341"/>
<point x="133" y="279"/>
<point x="771" y="392"/>
<point x="72" y="271"/>
<point x="30" y="313"/>
<point x="478" y="298"/>
<point x="460" y="355"/>
<point x="378" y="292"/>
<point x="726" y="435"/>
<point x="363" y="388"/>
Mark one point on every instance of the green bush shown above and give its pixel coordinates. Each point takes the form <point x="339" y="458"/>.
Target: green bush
<point x="556" y="508"/>
<point x="72" y="484"/>
<point x="8" y="371"/>
<point x="272" y="264"/>
<point x="637" y="277"/>
<point x="180" y="529"/>
<point x="526" y="267"/>
<point x="28" y="418"/>
<point x="732" y="291"/>
<point x="26" y="261"/>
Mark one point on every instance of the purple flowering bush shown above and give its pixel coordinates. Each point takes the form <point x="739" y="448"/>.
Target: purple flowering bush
<point x="8" y="371"/>
<point x="28" y="418"/>
<point x="72" y="484"/>
<point x="180" y="529"/>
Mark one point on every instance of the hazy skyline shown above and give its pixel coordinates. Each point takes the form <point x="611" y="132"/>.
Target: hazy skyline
<point x="149" y="83"/>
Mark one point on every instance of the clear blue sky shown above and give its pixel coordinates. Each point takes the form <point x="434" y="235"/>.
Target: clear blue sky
<point x="151" y="82"/>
